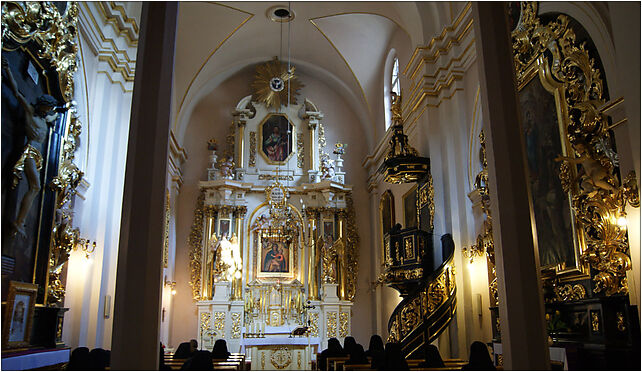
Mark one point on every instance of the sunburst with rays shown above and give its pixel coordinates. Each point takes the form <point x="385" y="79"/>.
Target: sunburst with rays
<point x="271" y="83"/>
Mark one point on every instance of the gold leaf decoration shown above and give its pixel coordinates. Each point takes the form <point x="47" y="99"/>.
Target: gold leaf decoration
<point x="273" y="83"/>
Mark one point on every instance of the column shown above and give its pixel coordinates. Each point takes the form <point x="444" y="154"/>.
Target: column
<point x="239" y="216"/>
<point x="521" y="307"/>
<point x="313" y="284"/>
<point x="342" y="259"/>
<point x="135" y="337"/>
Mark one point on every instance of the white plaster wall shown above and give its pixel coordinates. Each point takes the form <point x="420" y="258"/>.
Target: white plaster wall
<point x="98" y="215"/>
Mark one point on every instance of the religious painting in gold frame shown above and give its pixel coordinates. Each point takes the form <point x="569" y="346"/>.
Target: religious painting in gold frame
<point x="274" y="255"/>
<point x="545" y="119"/>
<point x="386" y="219"/>
<point x="18" y="317"/>
<point x="276" y="139"/>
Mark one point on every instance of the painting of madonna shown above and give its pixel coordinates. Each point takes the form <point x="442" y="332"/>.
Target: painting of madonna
<point x="274" y="257"/>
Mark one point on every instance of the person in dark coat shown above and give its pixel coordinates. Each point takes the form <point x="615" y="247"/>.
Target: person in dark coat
<point x="479" y="358"/>
<point x="200" y="361"/>
<point x="79" y="359"/>
<point x="334" y="350"/>
<point x="395" y="360"/>
<point x="375" y="347"/>
<point x="433" y="358"/>
<point x="219" y="351"/>
<point x="183" y="351"/>
<point x="349" y="344"/>
<point x="357" y="356"/>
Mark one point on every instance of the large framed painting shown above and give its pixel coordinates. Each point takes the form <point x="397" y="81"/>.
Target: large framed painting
<point x="276" y="139"/>
<point x="275" y="256"/>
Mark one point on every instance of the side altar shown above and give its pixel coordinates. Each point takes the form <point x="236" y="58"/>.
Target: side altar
<point x="274" y="234"/>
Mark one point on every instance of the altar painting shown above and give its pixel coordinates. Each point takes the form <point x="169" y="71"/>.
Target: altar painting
<point x="275" y="257"/>
<point x="276" y="139"/>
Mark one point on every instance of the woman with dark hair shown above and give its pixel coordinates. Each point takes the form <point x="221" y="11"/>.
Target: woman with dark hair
<point x="394" y="358"/>
<point x="79" y="359"/>
<point x="201" y="361"/>
<point x="183" y="351"/>
<point x="220" y="350"/>
<point x="334" y="350"/>
<point x="357" y="356"/>
<point x="479" y="359"/>
<point x="375" y="347"/>
<point x="349" y="344"/>
<point x="433" y="358"/>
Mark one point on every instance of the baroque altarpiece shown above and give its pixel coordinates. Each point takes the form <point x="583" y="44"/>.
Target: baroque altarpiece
<point x="274" y="231"/>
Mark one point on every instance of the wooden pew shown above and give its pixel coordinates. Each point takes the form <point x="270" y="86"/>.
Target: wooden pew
<point x="336" y="363"/>
<point x="357" y="367"/>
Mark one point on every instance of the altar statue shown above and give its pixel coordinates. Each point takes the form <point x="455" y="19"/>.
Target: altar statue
<point x="329" y="258"/>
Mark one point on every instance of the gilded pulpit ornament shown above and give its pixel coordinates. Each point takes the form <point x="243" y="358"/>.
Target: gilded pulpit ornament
<point x="402" y="163"/>
<point x="589" y="171"/>
<point x="274" y="83"/>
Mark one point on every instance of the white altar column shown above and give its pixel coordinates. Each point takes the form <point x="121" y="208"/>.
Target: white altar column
<point x="220" y="318"/>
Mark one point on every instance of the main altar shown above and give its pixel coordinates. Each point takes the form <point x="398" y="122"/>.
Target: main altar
<point x="274" y="231"/>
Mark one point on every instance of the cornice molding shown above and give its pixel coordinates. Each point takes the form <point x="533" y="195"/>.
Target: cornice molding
<point x="176" y="159"/>
<point x="113" y="38"/>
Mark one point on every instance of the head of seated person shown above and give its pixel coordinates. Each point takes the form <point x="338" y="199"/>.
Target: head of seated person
<point x="395" y="360"/>
<point x="219" y="351"/>
<point x="376" y="346"/>
<point x="183" y="351"/>
<point x="98" y="359"/>
<point x="432" y="357"/>
<point x="79" y="359"/>
<point x="479" y="358"/>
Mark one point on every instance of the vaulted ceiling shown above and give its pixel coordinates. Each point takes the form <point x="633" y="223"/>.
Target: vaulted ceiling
<point x="343" y="43"/>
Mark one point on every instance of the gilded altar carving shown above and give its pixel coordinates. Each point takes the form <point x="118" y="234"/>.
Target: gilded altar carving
<point x="328" y="260"/>
<point x="408" y="246"/>
<point x="393" y="333"/>
<point x="55" y="34"/>
<point x="590" y="171"/>
<point x="300" y="155"/>
<point x="343" y="324"/>
<point x="569" y="292"/>
<point x="620" y="322"/>
<point x="219" y="323"/>
<point x="270" y="177"/>
<point x="274" y="84"/>
<point x="595" y="321"/>
<point x="281" y="357"/>
<point x="195" y="241"/>
<point x="331" y="325"/>
<point x="352" y="249"/>
<point x="410" y="317"/>
<point x="236" y="325"/>
<point x="314" y="324"/>
<point x="252" y="159"/>
<point x="205" y="322"/>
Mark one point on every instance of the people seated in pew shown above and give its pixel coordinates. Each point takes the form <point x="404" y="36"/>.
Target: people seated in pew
<point x="357" y="356"/>
<point x="479" y="358"/>
<point x="395" y="360"/>
<point x="334" y="350"/>
<point x="432" y="358"/>
<point x="200" y="361"/>
<point x="183" y="351"/>
<point x="161" y="359"/>
<point x="348" y="345"/>
<point x="375" y="347"/>
<point x="219" y="351"/>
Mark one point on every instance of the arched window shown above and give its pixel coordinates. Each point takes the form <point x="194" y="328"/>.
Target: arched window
<point x="394" y="83"/>
<point x="390" y="84"/>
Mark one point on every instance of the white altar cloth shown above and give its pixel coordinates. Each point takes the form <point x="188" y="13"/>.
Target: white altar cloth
<point x="282" y="340"/>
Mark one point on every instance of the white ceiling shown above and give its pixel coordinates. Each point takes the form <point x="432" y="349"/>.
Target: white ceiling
<point x="343" y="43"/>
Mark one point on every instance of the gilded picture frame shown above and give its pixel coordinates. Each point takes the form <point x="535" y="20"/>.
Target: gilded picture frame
<point x="386" y="219"/>
<point x="410" y="208"/>
<point x="542" y="149"/>
<point x="266" y="130"/>
<point x="18" y="317"/>
<point x="265" y="265"/>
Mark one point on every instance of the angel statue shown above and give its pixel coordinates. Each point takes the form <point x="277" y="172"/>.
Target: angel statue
<point x="593" y="174"/>
<point x="328" y="259"/>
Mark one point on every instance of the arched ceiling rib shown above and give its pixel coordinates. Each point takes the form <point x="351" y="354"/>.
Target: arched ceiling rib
<point x="346" y="40"/>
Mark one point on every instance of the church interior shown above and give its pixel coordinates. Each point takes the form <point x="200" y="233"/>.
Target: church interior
<point x="294" y="185"/>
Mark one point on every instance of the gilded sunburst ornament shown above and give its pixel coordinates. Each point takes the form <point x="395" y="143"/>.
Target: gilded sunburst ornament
<point x="271" y="83"/>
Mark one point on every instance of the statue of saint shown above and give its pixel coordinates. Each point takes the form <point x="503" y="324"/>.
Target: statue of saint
<point x="38" y="117"/>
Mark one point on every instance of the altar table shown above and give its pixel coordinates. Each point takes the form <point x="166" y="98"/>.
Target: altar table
<point x="280" y="353"/>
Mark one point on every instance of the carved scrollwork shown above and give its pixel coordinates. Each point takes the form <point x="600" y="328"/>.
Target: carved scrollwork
<point x="195" y="240"/>
<point x="599" y="199"/>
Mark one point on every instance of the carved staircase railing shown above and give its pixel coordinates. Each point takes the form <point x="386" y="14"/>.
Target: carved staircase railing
<point x="429" y="302"/>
